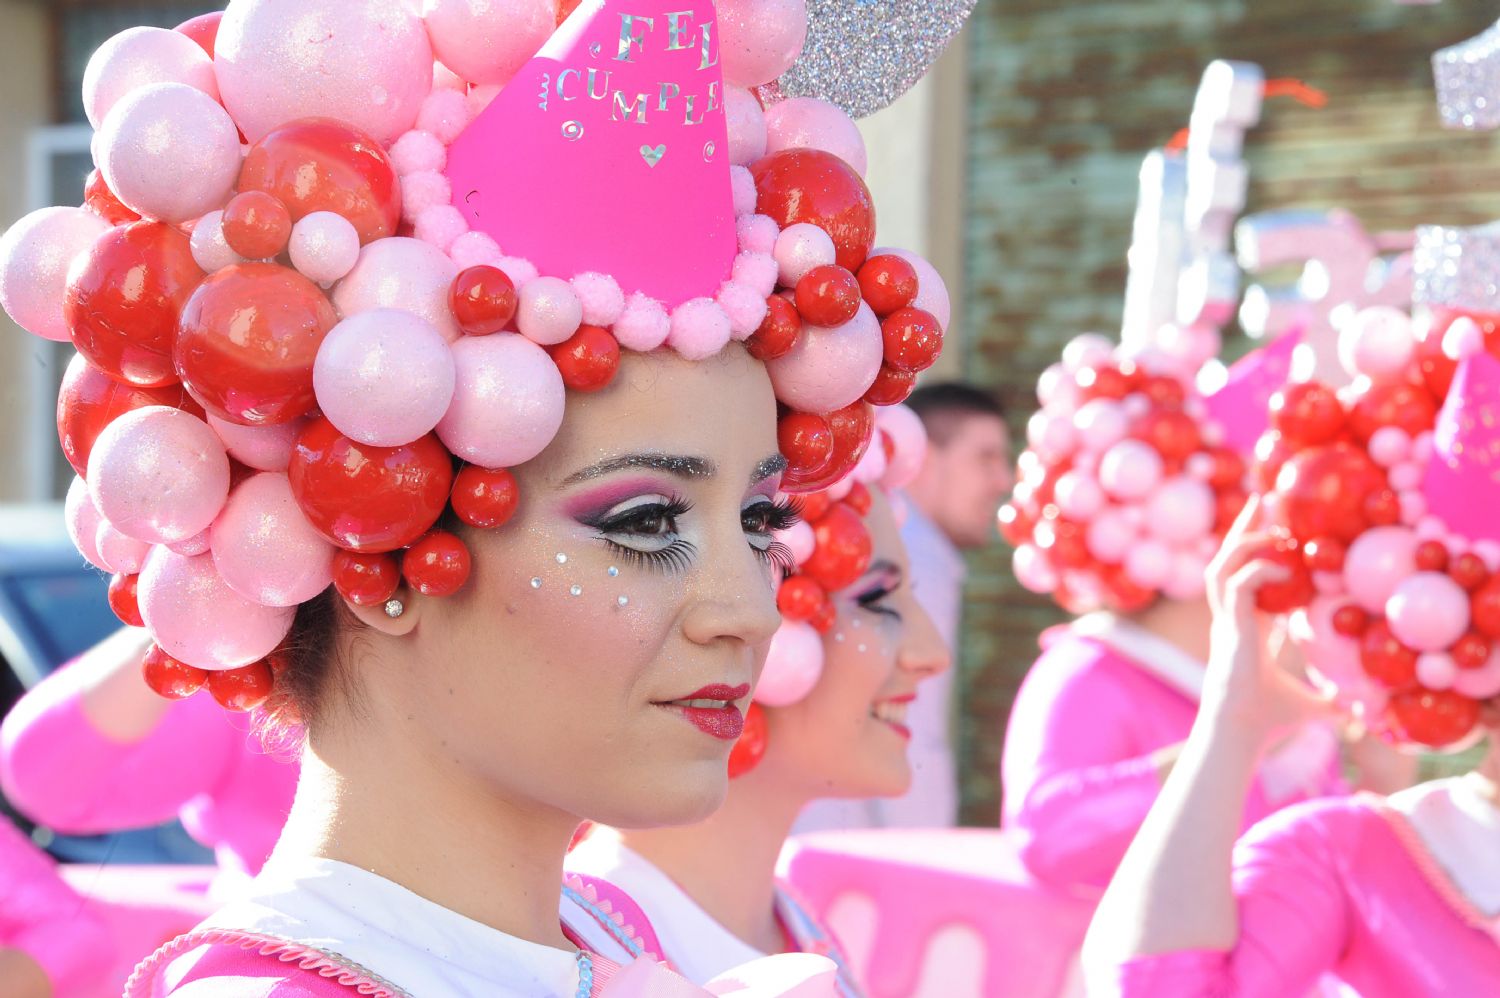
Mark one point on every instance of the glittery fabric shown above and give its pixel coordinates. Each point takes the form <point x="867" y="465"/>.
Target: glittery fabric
<point x="1457" y="268"/>
<point x="1468" y="81"/>
<point x="863" y="54"/>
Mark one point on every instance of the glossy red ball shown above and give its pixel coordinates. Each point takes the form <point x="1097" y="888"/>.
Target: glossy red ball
<point x="1471" y="651"/>
<point x="89" y="400"/>
<point x="247" y="342"/>
<point x="859" y="499"/>
<point x="1174" y="434"/>
<point x="888" y="283"/>
<point x="827" y="296"/>
<point x="913" y="339"/>
<point x="1484" y="608"/>
<point x="369" y="499"/>
<point x="1014" y="524"/>
<point x="1291" y="593"/>
<point x="806" y="441"/>
<point x="1350" y="621"/>
<point x="483" y="300"/>
<point x="437" y="565"/>
<point x="319" y="164"/>
<point x="1102" y="382"/>
<point x="1382" y="508"/>
<point x="1469" y="571"/>
<point x="813" y="506"/>
<point x="810" y="185"/>
<point x="124" y="297"/>
<point x="1324" y="554"/>
<point x="170" y="678"/>
<point x="853" y="428"/>
<point x="778" y="331"/>
<point x="891" y="387"/>
<point x="242" y="689"/>
<point x="1385" y="659"/>
<point x="365" y="579"/>
<point x="1307" y="414"/>
<point x="588" y="359"/>
<point x="1322" y="492"/>
<point x="485" y="497"/>
<point x="1166" y="392"/>
<point x="256" y="225"/>
<point x="1431" y="556"/>
<point x="1435" y="718"/>
<point x="122" y="599"/>
<point x="843" y="549"/>
<point x="99" y="199"/>
<point x="1404" y="406"/>
<point x="750" y="747"/>
<point x="1271" y="452"/>
<point x="799" y="598"/>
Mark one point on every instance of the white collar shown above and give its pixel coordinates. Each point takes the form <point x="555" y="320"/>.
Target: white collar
<point x="415" y="944"/>
<point x="1150" y="653"/>
<point x="1460" y="829"/>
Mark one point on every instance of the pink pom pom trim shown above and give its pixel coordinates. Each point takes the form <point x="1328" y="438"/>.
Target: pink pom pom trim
<point x="757" y="233"/>
<point x="602" y="299"/>
<point x="420" y="191"/>
<point x="643" y="325"/>
<point x="440" y="225"/>
<point x="474" y="249"/>
<point x="417" y="152"/>
<point x="746" y="309"/>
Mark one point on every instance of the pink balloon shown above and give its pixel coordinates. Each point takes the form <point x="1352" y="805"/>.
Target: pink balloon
<point x="1054" y="437"/>
<point x="487" y="41"/>
<point x="1109" y="535"/>
<point x="871" y="467"/>
<point x="367" y="63"/>
<point x="1087" y="350"/>
<point x="507" y="404"/>
<point x="1389" y="446"/>
<point x="324" y="247"/>
<point x="1463" y="339"/>
<point x="196" y="618"/>
<point x="169" y="152"/>
<point x="760" y="39"/>
<point x="35" y="255"/>
<point x="1149" y="563"/>
<point x="799" y="248"/>
<point x="549" y="311"/>
<point x="138" y="57"/>
<point x="264" y="548"/>
<point x="932" y="293"/>
<point x="1055" y="388"/>
<point x="1180" y="510"/>
<point x="384" y="377"/>
<point x="158" y="474"/>
<point x="828" y="369"/>
<point x="908" y="444"/>
<point x="194" y="545"/>
<point x="1033" y="569"/>
<point x="1378" y="343"/>
<point x="264" y="448"/>
<point x="1333" y="659"/>
<point x="82" y="521"/>
<point x="1428" y="611"/>
<point x="1436" y="671"/>
<point x="1187" y="578"/>
<point x="1130" y="469"/>
<point x="793" y="664"/>
<point x="1101" y="423"/>
<point x="401" y="273"/>
<point x="800" y="541"/>
<point x="1376" y="563"/>
<point x="211" y="251"/>
<point x="119" y="553"/>
<point x="1481" y="683"/>
<point x="747" y="126"/>
<point x="810" y="123"/>
<point x="1078" y="495"/>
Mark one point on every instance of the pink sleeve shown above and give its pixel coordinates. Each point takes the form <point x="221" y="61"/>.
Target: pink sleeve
<point x="1293" y="913"/>
<point x="43" y="917"/>
<point x="56" y="767"/>
<point x="1076" y="785"/>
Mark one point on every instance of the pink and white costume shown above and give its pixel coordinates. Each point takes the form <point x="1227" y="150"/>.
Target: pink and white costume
<point x="200" y="763"/>
<point x="1396" y="898"/>
<point x="1077" y="767"/>
<point x="41" y="916"/>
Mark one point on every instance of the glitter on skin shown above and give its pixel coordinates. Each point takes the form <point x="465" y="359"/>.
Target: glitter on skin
<point x="536" y="583"/>
<point x="623" y="601"/>
<point x="576" y="590"/>
<point x="562" y="559"/>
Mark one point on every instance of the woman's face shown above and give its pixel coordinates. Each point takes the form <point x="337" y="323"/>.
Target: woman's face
<point x="600" y="656"/>
<point x="847" y="738"/>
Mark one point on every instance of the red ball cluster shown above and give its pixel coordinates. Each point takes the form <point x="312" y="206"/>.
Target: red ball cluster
<point x="842" y="553"/>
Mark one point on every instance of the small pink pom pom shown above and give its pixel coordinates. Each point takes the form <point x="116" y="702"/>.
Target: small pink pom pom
<point x="643" y="325"/>
<point x="473" y="249"/>
<point x="742" y="184"/>
<point x="757" y="233"/>
<point x="800" y="248"/>
<point x="440" y="225"/>
<point x="602" y="299"/>
<point x="519" y="269"/>
<point x="745" y="309"/>
<point x="549" y="311"/>
<point x="418" y="152"/>
<point x="420" y="191"/>
<point x="700" y="329"/>
<point x="757" y="271"/>
<point x="445" y="113"/>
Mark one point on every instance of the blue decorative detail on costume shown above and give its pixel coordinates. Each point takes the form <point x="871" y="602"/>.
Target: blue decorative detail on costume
<point x="585" y="975"/>
<point x="618" y="934"/>
<point x="811" y="937"/>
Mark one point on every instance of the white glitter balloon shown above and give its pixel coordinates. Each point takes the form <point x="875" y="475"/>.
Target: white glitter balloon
<point x="138" y="57"/>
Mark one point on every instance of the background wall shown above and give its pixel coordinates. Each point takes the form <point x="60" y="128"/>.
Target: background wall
<point x="1065" y="100"/>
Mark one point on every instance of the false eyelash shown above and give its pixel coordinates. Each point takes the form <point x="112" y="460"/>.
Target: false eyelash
<point x="637" y="515"/>
<point x="871" y="601"/>
<point x="779" y="557"/>
<point x="672" y="558"/>
<point x="780" y="514"/>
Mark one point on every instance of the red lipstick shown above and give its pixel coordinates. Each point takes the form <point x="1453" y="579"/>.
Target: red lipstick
<point x="724" y="722"/>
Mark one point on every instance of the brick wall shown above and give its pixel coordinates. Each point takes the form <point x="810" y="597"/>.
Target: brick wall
<point x="1066" y="99"/>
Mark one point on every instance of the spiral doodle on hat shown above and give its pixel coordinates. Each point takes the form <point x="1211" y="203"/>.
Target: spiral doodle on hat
<point x="708" y="151"/>
<point x="572" y="130"/>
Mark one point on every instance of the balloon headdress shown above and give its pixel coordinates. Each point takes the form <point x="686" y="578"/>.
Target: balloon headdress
<point x="340" y="263"/>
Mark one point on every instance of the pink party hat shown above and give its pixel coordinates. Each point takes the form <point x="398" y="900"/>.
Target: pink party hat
<point x="1242" y="405"/>
<point x="609" y="152"/>
<point x="1463" y="477"/>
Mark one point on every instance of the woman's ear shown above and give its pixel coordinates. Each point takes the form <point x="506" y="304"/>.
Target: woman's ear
<point x="396" y="617"/>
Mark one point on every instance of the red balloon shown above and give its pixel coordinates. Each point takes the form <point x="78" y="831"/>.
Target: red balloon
<point x="806" y="441"/>
<point x="843" y="549"/>
<point x="1014" y="524"/>
<point x="170" y="678"/>
<point x="1324" y="554"/>
<point x="1431" y="556"/>
<point x="1271" y="452"/>
<point x="891" y="387"/>
<point x="242" y="689"/>
<point x="828" y="296"/>
<point x="369" y="499"/>
<point x="1382" y="508"/>
<point x="203" y="29"/>
<point x="247" y="342"/>
<point x="124" y="298"/>
<point x="810" y="185"/>
<point x="853" y="428"/>
<point x="799" y="598"/>
<point x="888" y="283"/>
<point x="913" y="339"/>
<point x="365" y="579"/>
<point x="1484" y="608"/>
<point x="256" y="225"/>
<point x="1101" y="383"/>
<point x="1471" y="651"/>
<point x="437" y="565"/>
<point x="1323" y="490"/>
<point x="1431" y="717"/>
<point x="89" y="400"/>
<point x="483" y="300"/>
<point x="1385" y="658"/>
<point x="778" y="331"/>
<point x="1123" y="594"/>
<point x="813" y="506"/>
<point x="1174" y="434"/>
<point x="824" y="620"/>
<point x="750" y="747"/>
<point x="859" y="499"/>
<point x="1392" y="404"/>
<point x="1350" y="621"/>
<point x="1229" y="468"/>
<point x="1435" y="367"/>
<point x="588" y="359"/>
<point x="1296" y="590"/>
<point x="1469" y="571"/>
<point x="1228" y="505"/>
<point x="318" y="164"/>
<point x="1169" y="393"/>
<point x="1307" y="414"/>
<point x="122" y="599"/>
<point x="485" y="497"/>
<point x="1065" y="541"/>
<point x="99" y="199"/>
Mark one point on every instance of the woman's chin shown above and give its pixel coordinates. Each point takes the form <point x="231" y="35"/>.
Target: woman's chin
<point x="696" y="792"/>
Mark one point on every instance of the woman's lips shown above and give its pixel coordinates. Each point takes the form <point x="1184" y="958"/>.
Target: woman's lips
<point x="892" y="713"/>
<point x="713" y="710"/>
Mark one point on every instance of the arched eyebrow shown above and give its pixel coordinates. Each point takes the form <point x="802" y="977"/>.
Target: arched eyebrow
<point x="773" y="465"/>
<point x="681" y="465"/>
